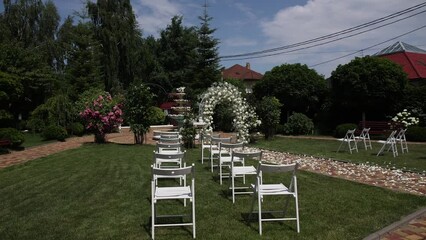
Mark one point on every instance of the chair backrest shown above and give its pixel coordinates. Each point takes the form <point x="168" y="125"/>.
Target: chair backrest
<point x="282" y="168"/>
<point x="401" y="135"/>
<point x="364" y="133"/>
<point x="391" y="137"/>
<point x="248" y="155"/>
<point x="206" y="138"/>
<point x="172" y="157"/>
<point x="350" y="134"/>
<point x="230" y="146"/>
<point x="160" y="147"/>
<point x="169" y="136"/>
<point x="269" y="168"/>
<point x="172" y="171"/>
<point x="169" y="140"/>
<point x="215" y="140"/>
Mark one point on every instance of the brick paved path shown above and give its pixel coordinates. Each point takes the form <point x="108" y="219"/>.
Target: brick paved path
<point x="413" y="230"/>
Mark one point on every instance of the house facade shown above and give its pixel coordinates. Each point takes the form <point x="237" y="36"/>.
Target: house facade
<point x="245" y="74"/>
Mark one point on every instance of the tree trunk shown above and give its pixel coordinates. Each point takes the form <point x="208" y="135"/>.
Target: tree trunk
<point x="139" y="138"/>
<point x="100" y="137"/>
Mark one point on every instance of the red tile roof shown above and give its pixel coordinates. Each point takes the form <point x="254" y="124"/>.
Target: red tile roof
<point x="414" y="64"/>
<point x="239" y="72"/>
<point x="411" y="58"/>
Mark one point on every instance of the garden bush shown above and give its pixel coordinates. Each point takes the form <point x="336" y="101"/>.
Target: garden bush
<point x="76" y="129"/>
<point x="13" y="135"/>
<point x="157" y="115"/>
<point x="298" y="124"/>
<point x="343" y="128"/>
<point x="54" y="132"/>
<point x="416" y="134"/>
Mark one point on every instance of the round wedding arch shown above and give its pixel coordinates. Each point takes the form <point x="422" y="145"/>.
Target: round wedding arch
<point x="245" y="117"/>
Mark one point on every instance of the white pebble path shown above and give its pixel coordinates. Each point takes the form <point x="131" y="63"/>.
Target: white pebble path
<point x="393" y="179"/>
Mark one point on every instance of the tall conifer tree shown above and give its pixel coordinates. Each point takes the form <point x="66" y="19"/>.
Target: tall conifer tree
<point x="208" y="63"/>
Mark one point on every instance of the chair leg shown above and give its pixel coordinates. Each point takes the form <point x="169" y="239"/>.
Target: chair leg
<point x="202" y="154"/>
<point x="340" y="146"/>
<point x="297" y="213"/>
<point x="152" y="219"/>
<point x="220" y="172"/>
<point x="259" y="201"/>
<point x="233" y="187"/>
<point x="381" y="149"/>
<point x="193" y="217"/>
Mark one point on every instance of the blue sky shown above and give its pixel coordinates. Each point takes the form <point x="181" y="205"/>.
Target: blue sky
<point x="253" y="25"/>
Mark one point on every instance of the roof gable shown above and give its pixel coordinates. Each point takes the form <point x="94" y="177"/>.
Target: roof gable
<point x="399" y="47"/>
<point x="239" y="72"/>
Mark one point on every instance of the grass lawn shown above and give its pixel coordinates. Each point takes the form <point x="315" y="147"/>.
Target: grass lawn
<point x="103" y="192"/>
<point x="414" y="160"/>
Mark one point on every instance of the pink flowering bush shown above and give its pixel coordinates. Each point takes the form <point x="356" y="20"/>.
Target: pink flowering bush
<point x="102" y="116"/>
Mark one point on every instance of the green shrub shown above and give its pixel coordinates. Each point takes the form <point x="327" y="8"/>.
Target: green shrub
<point x="76" y="129"/>
<point x="13" y="135"/>
<point x="343" y="128"/>
<point x="53" y="132"/>
<point x="416" y="134"/>
<point x="157" y="115"/>
<point x="298" y="124"/>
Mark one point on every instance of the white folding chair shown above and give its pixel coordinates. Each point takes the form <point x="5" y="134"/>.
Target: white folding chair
<point x="206" y="144"/>
<point x="364" y="136"/>
<point x="168" y="147"/>
<point x="262" y="189"/>
<point x="225" y="155"/>
<point x="400" y="137"/>
<point x="242" y="171"/>
<point x="171" y="193"/>
<point x="214" y="149"/>
<point x="390" y="142"/>
<point x="350" y="140"/>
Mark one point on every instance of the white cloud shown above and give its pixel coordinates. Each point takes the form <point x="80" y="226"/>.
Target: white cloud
<point x="154" y="16"/>
<point x="246" y="10"/>
<point x="321" y="17"/>
<point x="239" y="42"/>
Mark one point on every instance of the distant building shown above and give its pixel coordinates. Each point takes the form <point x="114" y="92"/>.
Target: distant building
<point x="411" y="58"/>
<point x="248" y="76"/>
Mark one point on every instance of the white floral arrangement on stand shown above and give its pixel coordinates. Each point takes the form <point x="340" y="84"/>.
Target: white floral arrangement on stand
<point x="245" y="116"/>
<point x="180" y="89"/>
<point x="405" y="118"/>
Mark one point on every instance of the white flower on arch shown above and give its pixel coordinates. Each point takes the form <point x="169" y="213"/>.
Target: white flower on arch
<point x="245" y="117"/>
